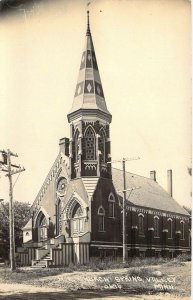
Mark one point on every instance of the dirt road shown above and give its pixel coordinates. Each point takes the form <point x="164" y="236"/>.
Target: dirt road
<point x="29" y="292"/>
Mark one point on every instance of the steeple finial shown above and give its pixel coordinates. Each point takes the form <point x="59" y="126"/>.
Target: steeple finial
<point x="88" y="24"/>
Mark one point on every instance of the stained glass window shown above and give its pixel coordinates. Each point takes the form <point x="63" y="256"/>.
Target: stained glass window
<point x="182" y="229"/>
<point x="169" y="228"/>
<point x="156" y="227"/>
<point x="141" y="224"/>
<point x="101" y="219"/>
<point x="111" y="201"/>
<point x="102" y="145"/>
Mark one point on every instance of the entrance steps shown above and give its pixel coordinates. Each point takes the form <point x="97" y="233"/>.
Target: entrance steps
<point x="42" y="263"/>
<point x="44" y="254"/>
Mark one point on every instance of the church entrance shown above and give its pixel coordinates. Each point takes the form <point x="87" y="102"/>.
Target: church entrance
<point x="43" y="230"/>
<point x="42" y="227"/>
<point x="77" y="224"/>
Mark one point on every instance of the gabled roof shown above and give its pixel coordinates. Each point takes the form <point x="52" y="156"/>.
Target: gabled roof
<point x="89" y="92"/>
<point x="28" y="226"/>
<point x="76" y="185"/>
<point x="61" y="160"/>
<point x="149" y="195"/>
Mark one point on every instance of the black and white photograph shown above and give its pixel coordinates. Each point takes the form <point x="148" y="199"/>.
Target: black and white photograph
<point x="95" y="149"/>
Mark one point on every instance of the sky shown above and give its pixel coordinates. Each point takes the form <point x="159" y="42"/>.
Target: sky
<point x="143" y="50"/>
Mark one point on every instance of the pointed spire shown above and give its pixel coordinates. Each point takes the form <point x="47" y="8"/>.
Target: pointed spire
<point x="88" y="24"/>
<point x="89" y="92"/>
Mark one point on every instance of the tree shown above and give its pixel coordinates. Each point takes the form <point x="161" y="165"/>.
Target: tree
<point x="21" y="216"/>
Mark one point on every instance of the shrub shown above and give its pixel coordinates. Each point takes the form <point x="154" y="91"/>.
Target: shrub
<point x="184" y="257"/>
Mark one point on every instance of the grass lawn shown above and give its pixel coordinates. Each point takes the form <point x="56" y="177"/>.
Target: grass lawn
<point x="148" y="277"/>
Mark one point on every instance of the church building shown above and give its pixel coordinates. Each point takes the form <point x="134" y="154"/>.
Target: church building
<point x="77" y="214"/>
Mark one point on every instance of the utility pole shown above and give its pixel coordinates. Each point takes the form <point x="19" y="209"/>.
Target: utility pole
<point x="6" y="155"/>
<point x="125" y="253"/>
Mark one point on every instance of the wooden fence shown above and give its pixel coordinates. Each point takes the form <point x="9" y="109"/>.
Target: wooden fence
<point x="63" y="255"/>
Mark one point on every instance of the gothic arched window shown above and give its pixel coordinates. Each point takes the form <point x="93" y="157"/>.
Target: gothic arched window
<point x="111" y="201"/>
<point x="156" y="226"/>
<point x="76" y="141"/>
<point x="90" y="142"/>
<point x="141" y="224"/>
<point x="101" y="219"/>
<point x="102" y="144"/>
<point x="182" y="229"/>
<point x="170" y="228"/>
<point x="77" y="219"/>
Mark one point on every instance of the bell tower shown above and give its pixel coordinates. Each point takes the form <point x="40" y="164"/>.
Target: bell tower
<point x="89" y="118"/>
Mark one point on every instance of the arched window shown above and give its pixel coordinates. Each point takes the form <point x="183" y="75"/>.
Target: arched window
<point x="102" y="144"/>
<point x="170" y="228"/>
<point x="111" y="201"/>
<point x="182" y="229"/>
<point x="156" y="226"/>
<point x="76" y="141"/>
<point x="101" y="219"/>
<point x="77" y="219"/>
<point x="141" y="224"/>
<point x="90" y="142"/>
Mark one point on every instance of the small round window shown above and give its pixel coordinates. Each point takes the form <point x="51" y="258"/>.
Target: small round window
<point x="61" y="185"/>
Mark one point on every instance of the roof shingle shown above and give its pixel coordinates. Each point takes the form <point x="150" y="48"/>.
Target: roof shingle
<point x="149" y="195"/>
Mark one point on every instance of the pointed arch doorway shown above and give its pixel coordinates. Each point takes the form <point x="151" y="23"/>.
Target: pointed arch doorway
<point x="42" y="227"/>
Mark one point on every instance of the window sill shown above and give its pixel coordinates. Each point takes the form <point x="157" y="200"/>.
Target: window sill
<point x="156" y="237"/>
<point x="171" y="238"/>
<point x="141" y="235"/>
<point x="111" y="217"/>
<point x="101" y="231"/>
<point x="182" y="239"/>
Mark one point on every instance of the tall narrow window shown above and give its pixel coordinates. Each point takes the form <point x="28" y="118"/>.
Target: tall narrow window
<point x="182" y="229"/>
<point x="90" y="144"/>
<point x="111" y="201"/>
<point x="170" y="228"/>
<point x="156" y="226"/>
<point x="76" y="140"/>
<point x="101" y="219"/>
<point x="141" y="224"/>
<point x="102" y="144"/>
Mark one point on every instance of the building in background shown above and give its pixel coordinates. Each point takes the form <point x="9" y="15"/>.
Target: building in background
<point x="77" y="214"/>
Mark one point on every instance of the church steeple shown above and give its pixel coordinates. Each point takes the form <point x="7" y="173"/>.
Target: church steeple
<point x="89" y="118"/>
<point x="89" y="92"/>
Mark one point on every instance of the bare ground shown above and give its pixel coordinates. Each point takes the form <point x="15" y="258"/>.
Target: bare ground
<point x="55" y="283"/>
